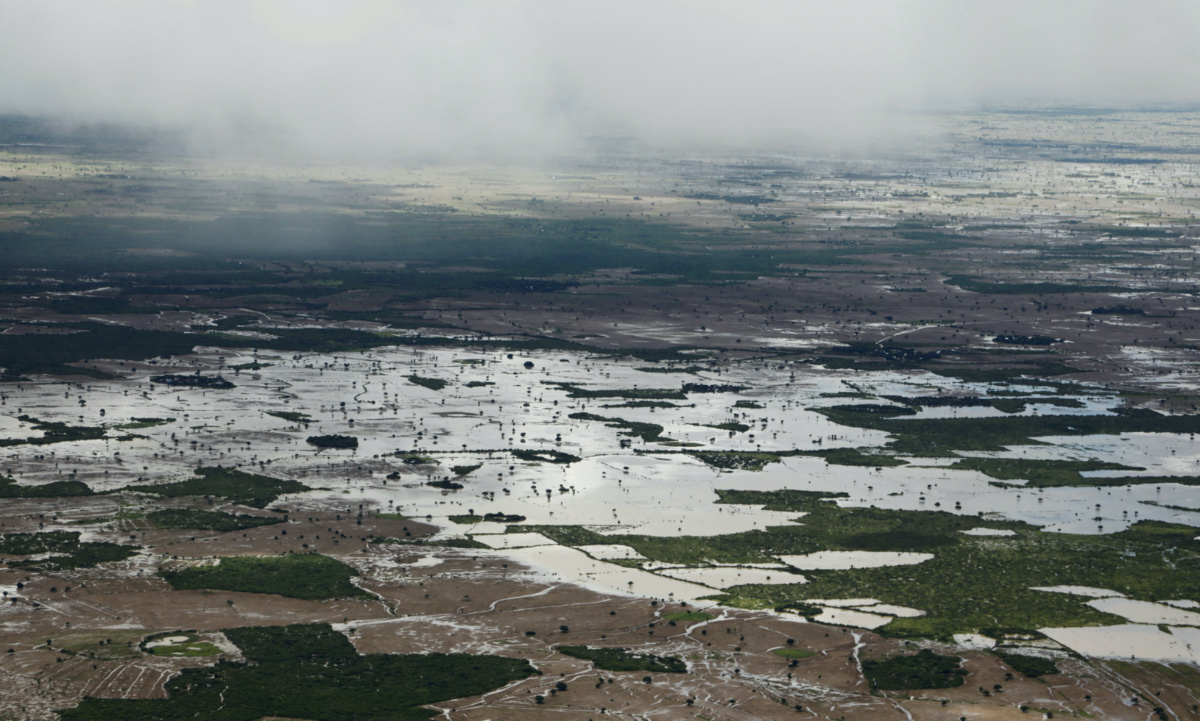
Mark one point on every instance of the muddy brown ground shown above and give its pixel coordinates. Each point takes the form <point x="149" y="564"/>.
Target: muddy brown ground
<point x="438" y="599"/>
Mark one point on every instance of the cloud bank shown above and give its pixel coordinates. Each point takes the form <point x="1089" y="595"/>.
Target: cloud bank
<point x="378" y="78"/>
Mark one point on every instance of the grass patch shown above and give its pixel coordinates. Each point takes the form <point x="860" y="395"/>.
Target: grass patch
<point x="855" y="457"/>
<point x="249" y="489"/>
<point x="208" y="520"/>
<point x="55" y="432"/>
<point x="545" y="456"/>
<point x="305" y="576"/>
<point x="433" y="384"/>
<point x="688" y="616"/>
<point x="54" y="489"/>
<point x="648" y="432"/>
<point x="464" y="470"/>
<point x="1041" y="473"/>
<point x="749" y="404"/>
<point x="940" y="437"/>
<point x="190" y="647"/>
<point x="251" y="366"/>
<point x="1030" y="666"/>
<point x="735" y="460"/>
<point x="652" y="394"/>
<point x="139" y="423"/>
<point x="332" y="440"/>
<point x="193" y="381"/>
<point x="291" y="416"/>
<point x="69" y="552"/>
<point x="731" y="427"/>
<point x="671" y="369"/>
<point x="620" y="659"/>
<point x="311" y="672"/>
<point x="923" y="670"/>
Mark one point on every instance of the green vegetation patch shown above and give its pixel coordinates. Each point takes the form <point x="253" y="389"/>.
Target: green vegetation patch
<point x="621" y="659"/>
<point x="940" y="437"/>
<point x="749" y="404"/>
<point x="54" y="489"/>
<point x="1030" y="666"/>
<point x="793" y="652"/>
<point x="855" y="457"/>
<point x="971" y="583"/>
<point x="1043" y="473"/>
<point x="688" y="616"/>
<point x="251" y="366"/>
<point x="546" y="456"/>
<point x="660" y="394"/>
<point x="208" y="520"/>
<point x="250" y="489"/>
<point x="648" y="432"/>
<point x="291" y="416"/>
<point x="489" y="517"/>
<point x="464" y="470"/>
<point x="192" y="381"/>
<point x="55" y="432"/>
<point x="305" y="575"/>
<point x="433" y="384"/>
<point x="736" y="460"/>
<point x="139" y="423"/>
<point x="732" y="427"/>
<point x="925" y="669"/>
<point x="311" y="672"/>
<point x="68" y="552"/>
<point x="332" y="440"/>
<point x="189" y="646"/>
<point x="671" y="369"/>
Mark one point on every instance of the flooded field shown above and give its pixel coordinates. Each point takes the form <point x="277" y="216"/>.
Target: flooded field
<point x="902" y="438"/>
<point x="559" y="440"/>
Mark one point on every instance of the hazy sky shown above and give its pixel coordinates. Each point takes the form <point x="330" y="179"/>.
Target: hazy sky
<point x="427" y="77"/>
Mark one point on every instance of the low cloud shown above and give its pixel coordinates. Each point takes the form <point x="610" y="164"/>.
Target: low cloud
<point x="385" y="79"/>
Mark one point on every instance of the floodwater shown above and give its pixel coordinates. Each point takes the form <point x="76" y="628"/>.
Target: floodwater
<point x="842" y="560"/>
<point x="1146" y="612"/>
<point x="727" y="577"/>
<point x="1131" y="641"/>
<point x="622" y="486"/>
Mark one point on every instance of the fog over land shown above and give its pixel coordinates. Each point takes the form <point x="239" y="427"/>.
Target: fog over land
<point x="368" y="79"/>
